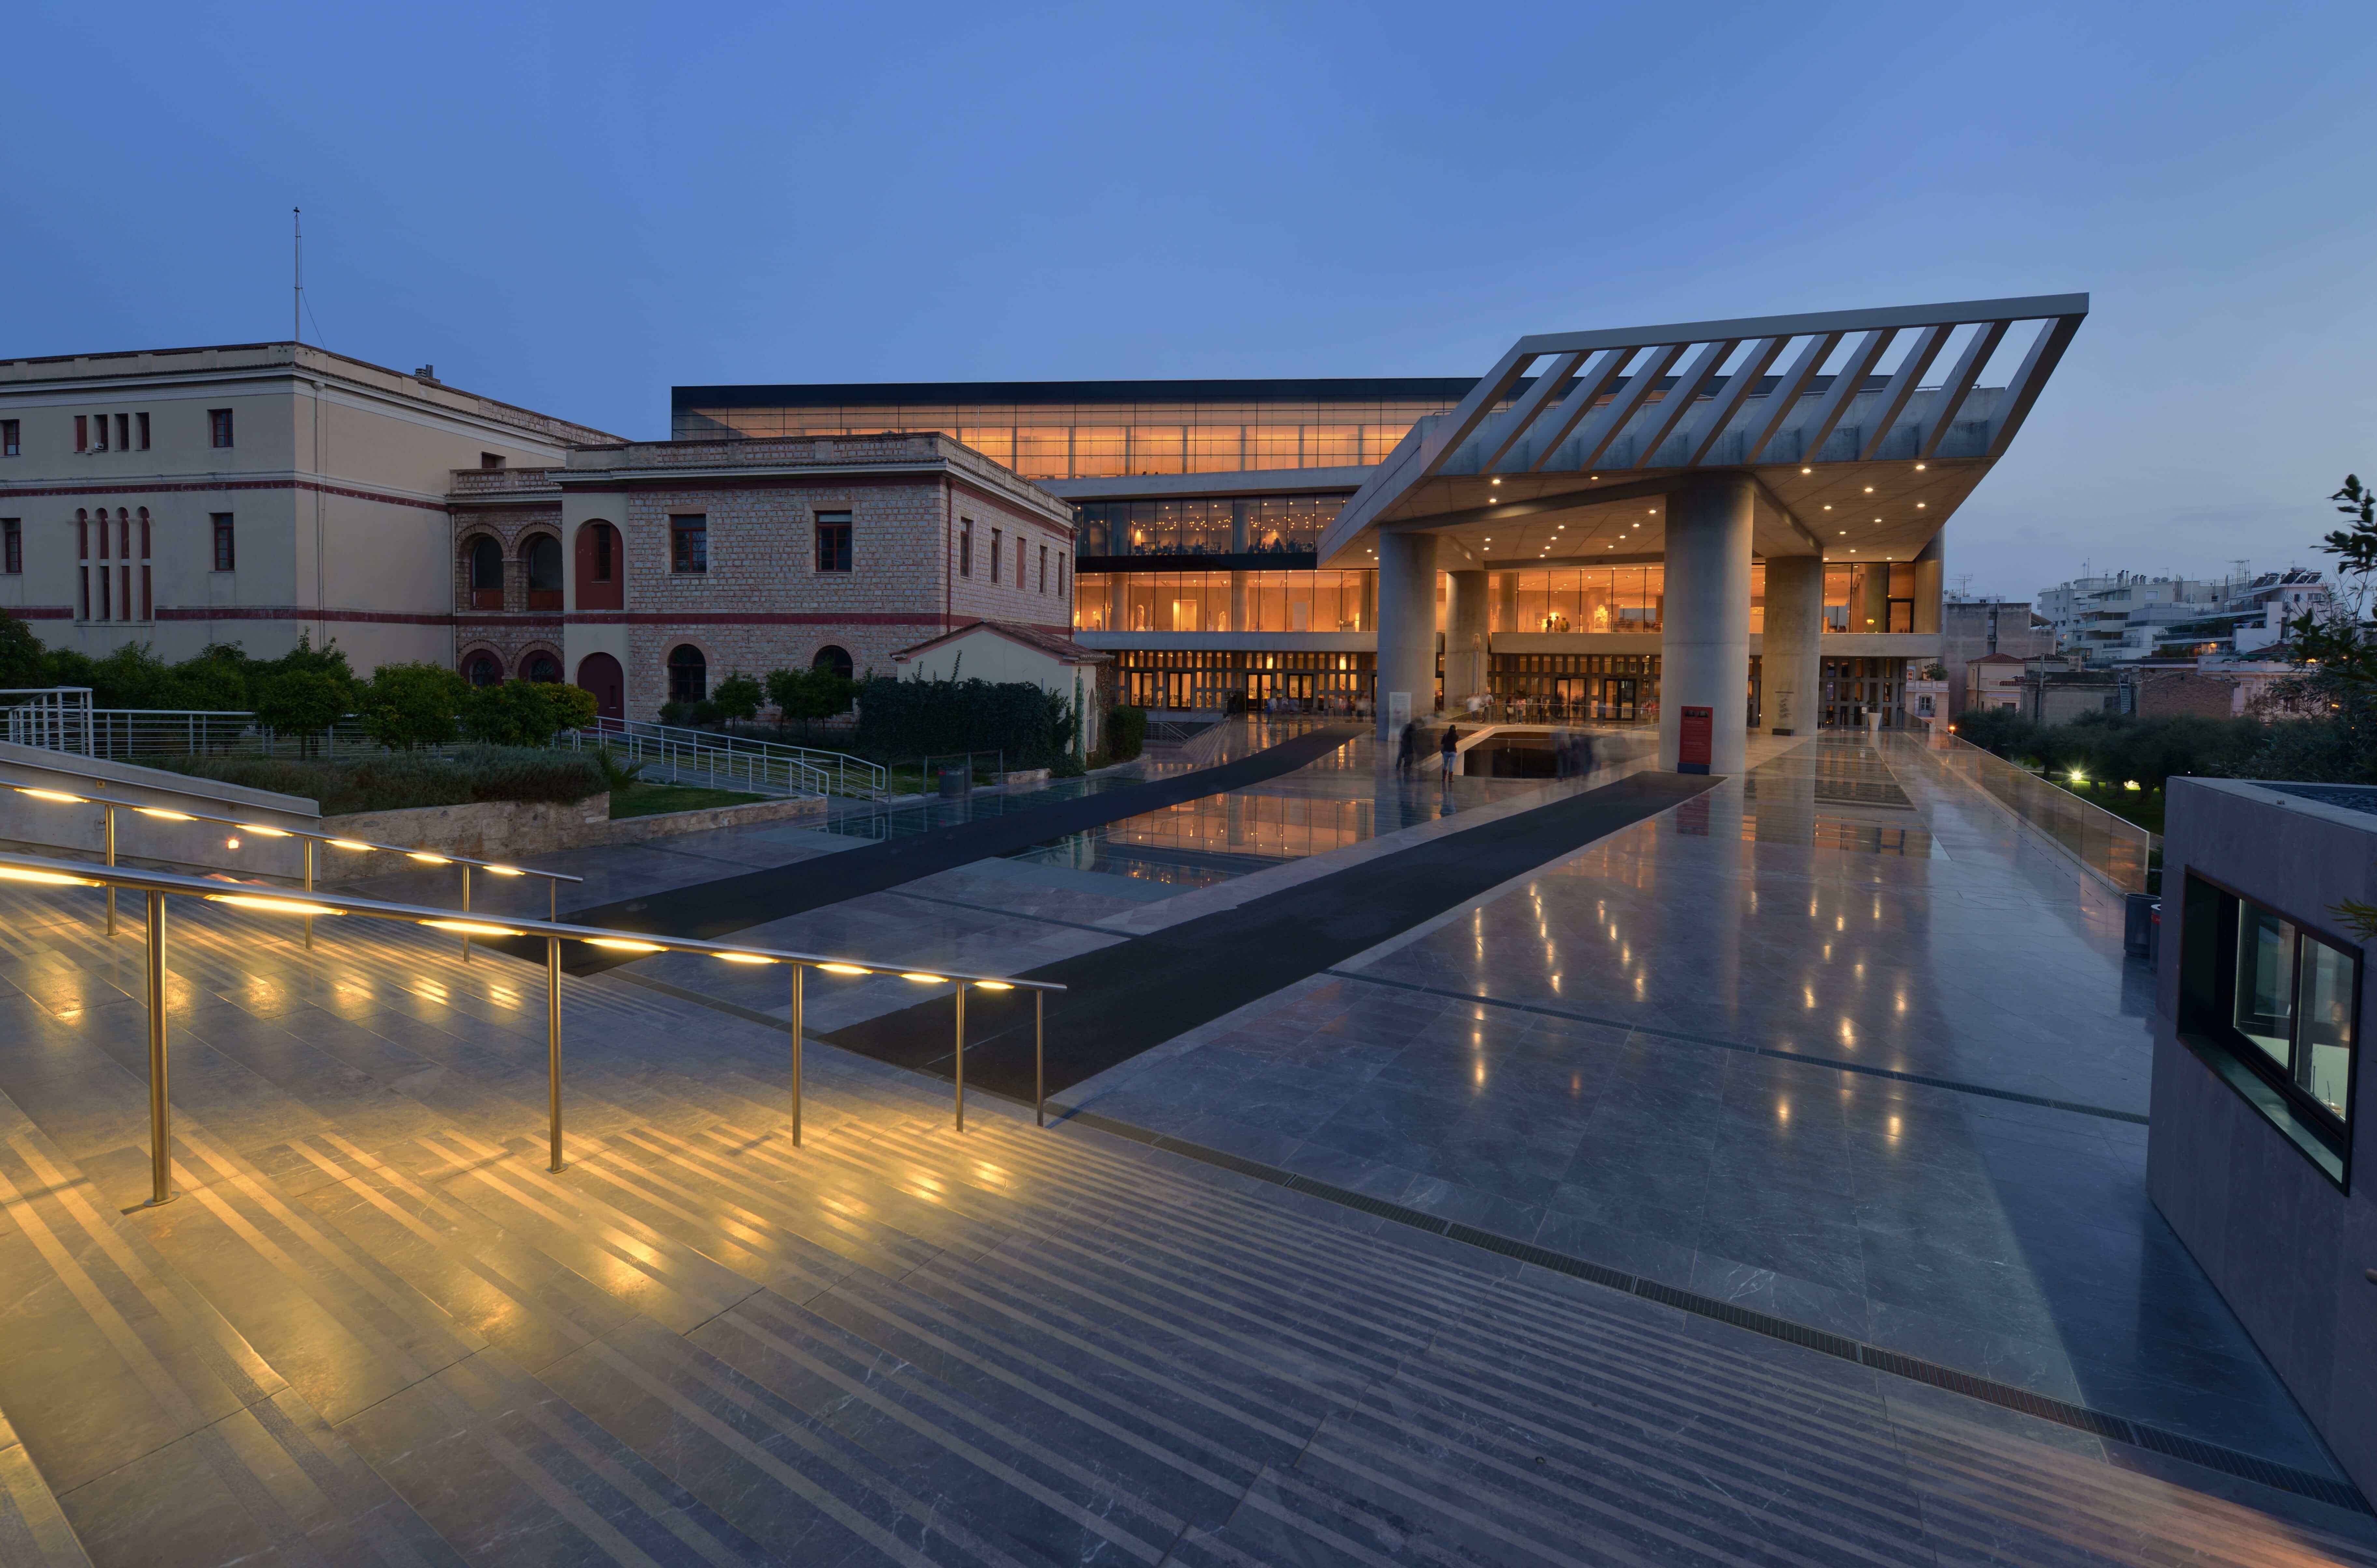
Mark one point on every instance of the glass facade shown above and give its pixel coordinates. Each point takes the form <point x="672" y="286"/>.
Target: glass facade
<point x="1621" y="688"/>
<point x="1207" y="525"/>
<point x="1225" y="601"/>
<point x="1235" y="680"/>
<point x="1877" y="598"/>
<point x="1099" y="440"/>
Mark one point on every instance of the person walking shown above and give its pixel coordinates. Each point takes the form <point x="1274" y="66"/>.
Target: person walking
<point x="1451" y="750"/>
<point x="1411" y="741"/>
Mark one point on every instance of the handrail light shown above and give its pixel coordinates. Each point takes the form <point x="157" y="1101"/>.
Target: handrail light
<point x="473" y="927"/>
<point x="992" y="986"/>
<point x="351" y="844"/>
<point x="51" y="879"/>
<point x="623" y="946"/>
<point x="845" y="969"/>
<point x="426" y="858"/>
<point x="164" y="816"/>
<point x="57" y="795"/>
<point x="924" y="979"/>
<point x="504" y="870"/>
<point x="743" y="958"/>
<point x="272" y="905"/>
<point x="260" y="830"/>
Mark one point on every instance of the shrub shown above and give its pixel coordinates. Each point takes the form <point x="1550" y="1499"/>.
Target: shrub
<point x="403" y="780"/>
<point x="21" y="654"/>
<point x="901" y="719"/>
<point x="524" y="713"/>
<point x="810" y="695"/>
<point x="303" y="702"/>
<point x="1126" y="733"/>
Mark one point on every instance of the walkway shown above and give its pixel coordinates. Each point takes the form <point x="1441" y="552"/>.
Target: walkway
<point x="374" y="1329"/>
<point x="1835" y="1042"/>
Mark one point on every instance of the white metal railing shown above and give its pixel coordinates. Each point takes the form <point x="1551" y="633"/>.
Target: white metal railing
<point x="55" y="718"/>
<point x="741" y="757"/>
<point x="23" y="872"/>
<point x="63" y="719"/>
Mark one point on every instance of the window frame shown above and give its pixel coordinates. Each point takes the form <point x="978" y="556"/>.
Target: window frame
<point x="219" y="434"/>
<point x="12" y="438"/>
<point x="12" y="546"/>
<point x="681" y="526"/>
<point x="2208" y="999"/>
<point x="838" y="527"/>
<point x="142" y="420"/>
<point x="226" y="541"/>
<point x="965" y="546"/>
<point x="995" y="537"/>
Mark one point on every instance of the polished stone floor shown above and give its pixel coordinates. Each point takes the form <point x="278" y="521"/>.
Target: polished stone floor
<point x="1660" y="1072"/>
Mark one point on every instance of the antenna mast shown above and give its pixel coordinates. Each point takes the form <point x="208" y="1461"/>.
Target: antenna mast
<point x="297" y="275"/>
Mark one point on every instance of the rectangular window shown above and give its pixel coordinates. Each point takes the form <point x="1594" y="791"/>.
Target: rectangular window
<point x="123" y="432"/>
<point x="82" y="435"/>
<point x="2273" y="1007"/>
<point x="147" y="604"/>
<point x="1044" y="569"/>
<point x="83" y="574"/>
<point x="833" y="540"/>
<point x="602" y="553"/>
<point x="491" y="459"/>
<point x="993" y="555"/>
<point x="98" y="432"/>
<point x="140" y="422"/>
<point x="11" y="444"/>
<point x="965" y="546"/>
<point x="219" y="426"/>
<point x="689" y="542"/>
<point x="224" y="559"/>
<point x="12" y="545"/>
<point x="1019" y="563"/>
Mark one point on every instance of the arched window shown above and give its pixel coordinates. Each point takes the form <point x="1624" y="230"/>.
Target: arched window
<point x="483" y="668"/>
<point x="486" y="574"/>
<point x="688" y="673"/>
<point x="541" y="556"/>
<point x="541" y="666"/>
<point x="835" y="659"/>
<point x="602" y="568"/>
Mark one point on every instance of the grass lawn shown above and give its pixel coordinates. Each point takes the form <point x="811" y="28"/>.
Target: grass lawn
<point x="2143" y="806"/>
<point x="646" y="799"/>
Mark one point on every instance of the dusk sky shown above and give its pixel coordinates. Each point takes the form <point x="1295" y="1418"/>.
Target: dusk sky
<point x="574" y="206"/>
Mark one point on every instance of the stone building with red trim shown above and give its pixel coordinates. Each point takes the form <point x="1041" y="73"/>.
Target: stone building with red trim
<point x="647" y="571"/>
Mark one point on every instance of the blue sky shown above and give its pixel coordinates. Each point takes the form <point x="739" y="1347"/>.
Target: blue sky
<point x="575" y="207"/>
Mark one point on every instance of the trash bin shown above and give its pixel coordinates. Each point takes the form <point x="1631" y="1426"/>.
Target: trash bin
<point x="956" y="782"/>
<point x="2142" y="912"/>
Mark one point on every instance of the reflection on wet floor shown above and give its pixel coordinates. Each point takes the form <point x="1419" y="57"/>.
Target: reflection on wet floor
<point x="1339" y="801"/>
<point x="1836" y="795"/>
<point x="903" y="821"/>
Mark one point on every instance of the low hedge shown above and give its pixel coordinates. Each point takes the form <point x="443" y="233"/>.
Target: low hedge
<point x="400" y="780"/>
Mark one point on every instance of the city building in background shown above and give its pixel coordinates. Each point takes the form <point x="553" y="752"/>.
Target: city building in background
<point x="1972" y="628"/>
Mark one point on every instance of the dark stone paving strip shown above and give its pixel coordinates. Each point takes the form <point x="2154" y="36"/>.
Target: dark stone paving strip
<point x="1926" y="1080"/>
<point x="1129" y="996"/>
<point x="707" y="911"/>
<point x="2099" y="1423"/>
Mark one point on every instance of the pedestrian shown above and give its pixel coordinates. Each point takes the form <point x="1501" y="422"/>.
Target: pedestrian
<point x="1585" y="763"/>
<point x="1450" y="748"/>
<point x="1411" y="741"/>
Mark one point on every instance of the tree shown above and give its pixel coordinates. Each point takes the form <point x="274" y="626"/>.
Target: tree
<point x="810" y="695"/>
<point x="409" y="706"/>
<point x="739" y="697"/>
<point x="524" y="713"/>
<point x="21" y="658"/>
<point x="303" y="702"/>
<point x="2338" y="647"/>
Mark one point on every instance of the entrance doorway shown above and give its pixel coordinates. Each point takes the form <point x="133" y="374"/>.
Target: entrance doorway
<point x="1618" y="699"/>
<point x="600" y="674"/>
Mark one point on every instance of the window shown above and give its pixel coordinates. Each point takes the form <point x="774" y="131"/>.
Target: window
<point x="541" y="667"/>
<point x="219" y="426"/>
<point x="1044" y="569"/>
<point x="1060" y="574"/>
<point x="12" y="545"/>
<point x="836" y="660"/>
<point x="486" y="574"/>
<point x="605" y="544"/>
<point x="142" y="421"/>
<point x="833" y="540"/>
<point x="601" y="566"/>
<point x="123" y="432"/>
<point x="993" y="555"/>
<point x="965" y="546"/>
<point x="541" y="556"/>
<point x="1020" y="551"/>
<point x="493" y="461"/>
<point x="2273" y="1007"/>
<point x="689" y="542"/>
<point x="482" y="669"/>
<point x="688" y="673"/>
<point x="12" y="444"/>
<point x="224" y="559"/>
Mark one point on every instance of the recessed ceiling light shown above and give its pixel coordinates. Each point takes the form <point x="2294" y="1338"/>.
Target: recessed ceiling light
<point x="1498" y="481"/>
<point x="1807" y="470"/>
<point x="1919" y="467"/>
<point x="1918" y="506"/>
<point x="1828" y="506"/>
<point x="1844" y="532"/>
<point x="1868" y="489"/>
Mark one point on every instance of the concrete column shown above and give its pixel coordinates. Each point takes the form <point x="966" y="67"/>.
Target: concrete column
<point x="1406" y="624"/>
<point x="1792" y="663"/>
<point x="1465" y="640"/>
<point x="1704" y="643"/>
<point x="1869" y="611"/>
<point x="1239" y="621"/>
<point x="1930" y="567"/>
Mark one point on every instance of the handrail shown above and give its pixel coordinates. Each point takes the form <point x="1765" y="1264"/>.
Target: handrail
<point x="2113" y="849"/>
<point x="267" y="830"/>
<point x="265" y="898"/>
<point x="840" y="765"/>
<point x="718" y="763"/>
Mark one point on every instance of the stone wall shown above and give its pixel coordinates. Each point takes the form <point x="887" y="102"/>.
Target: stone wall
<point x="504" y="830"/>
<point x="515" y="631"/>
<point x="2167" y="692"/>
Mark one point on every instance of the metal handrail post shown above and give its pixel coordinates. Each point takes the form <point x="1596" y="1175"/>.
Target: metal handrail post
<point x="309" y="888"/>
<point x="161" y="1112"/>
<point x="111" y="860"/>
<point x="798" y="971"/>
<point x="553" y="1045"/>
<point x="466" y="909"/>
<point x="960" y="994"/>
<point x="1039" y="1060"/>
